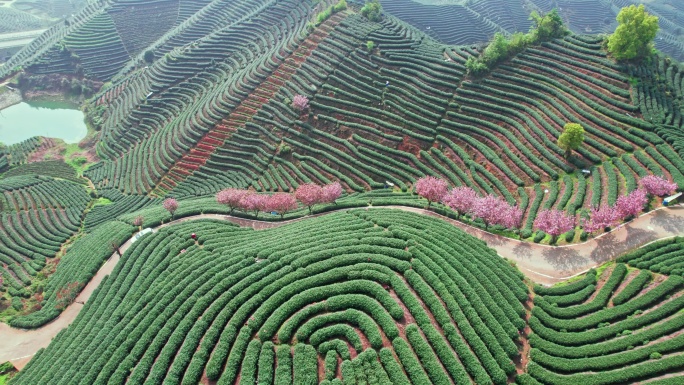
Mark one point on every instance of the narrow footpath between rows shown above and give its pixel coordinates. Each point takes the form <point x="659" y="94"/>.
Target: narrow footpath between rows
<point x="541" y="263"/>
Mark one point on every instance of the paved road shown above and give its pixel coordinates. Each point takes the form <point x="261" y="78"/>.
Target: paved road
<point x="18" y="39"/>
<point x="543" y="264"/>
<point x="549" y="264"/>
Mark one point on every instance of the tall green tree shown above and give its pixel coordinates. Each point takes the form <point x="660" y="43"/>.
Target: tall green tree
<point x="571" y="138"/>
<point x="149" y="56"/>
<point x="547" y="26"/>
<point x="634" y="35"/>
<point x="372" y="10"/>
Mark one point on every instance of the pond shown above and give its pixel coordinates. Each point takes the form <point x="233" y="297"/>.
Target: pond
<point x="51" y="119"/>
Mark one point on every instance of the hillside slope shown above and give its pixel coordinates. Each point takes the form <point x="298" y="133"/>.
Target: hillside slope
<point x="395" y="114"/>
<point x="330" y="292"/>
<point x="475" y="21"/>
<point x="214" y="109"/>
<point x="618" y="327"/>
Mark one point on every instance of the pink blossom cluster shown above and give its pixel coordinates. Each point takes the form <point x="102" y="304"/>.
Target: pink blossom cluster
<point x="300" y="102"/>
<point x="231" y="197"/>
<point x="631" y="205"/>
<point x="494" y="210"/>
<point x="308" y="194"/>
<point x="171" y="205"/>
<point x="626" y="206"/>
<point x="138" y="221"/>
<point x="554" y="222"/>
<point x="246" y="200"/>
<point x="491" y="209"/>
<point x="431" y="188"/>
<point x="601" y="217"/>
<point x="460" y="199"/>
<point x="658" y="186"/>
<point x="311" y="194"/>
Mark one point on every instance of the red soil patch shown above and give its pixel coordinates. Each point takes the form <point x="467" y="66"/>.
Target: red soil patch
<point x="524" y="359"/>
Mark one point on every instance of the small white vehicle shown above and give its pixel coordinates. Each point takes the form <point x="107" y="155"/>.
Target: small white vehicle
<point x="142" y="233"/>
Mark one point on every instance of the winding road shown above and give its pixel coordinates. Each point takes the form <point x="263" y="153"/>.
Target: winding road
<point x="542" y="264"/>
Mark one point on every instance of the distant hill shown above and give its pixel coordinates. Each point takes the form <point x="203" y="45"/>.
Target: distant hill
<point x="23" y="20"/>
<point x="25" y="15"/>
<point x="475" y="21"/>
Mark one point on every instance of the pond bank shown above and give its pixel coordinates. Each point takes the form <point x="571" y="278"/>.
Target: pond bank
<point x="9" y="97"/>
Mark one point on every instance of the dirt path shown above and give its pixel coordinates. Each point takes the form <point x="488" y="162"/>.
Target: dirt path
<point x="542" y="264"/>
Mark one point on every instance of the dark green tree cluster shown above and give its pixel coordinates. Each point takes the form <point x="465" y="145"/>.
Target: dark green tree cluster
<point x="372" y="10"/>
<point x="546" y="27"/>
<point x="149" y="56"/>
<point x="634" y="35"/>
<point x="325" y="15"/>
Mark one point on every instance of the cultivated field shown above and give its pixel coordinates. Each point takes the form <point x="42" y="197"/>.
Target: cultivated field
<point x="260" y="140"/>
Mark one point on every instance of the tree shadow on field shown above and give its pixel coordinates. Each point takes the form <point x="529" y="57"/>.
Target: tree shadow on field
<point x="522" y="250"/>
<point x="635" y="238"/>
<point x="564" y="259"/>
<point x="606" y="248"/>
<point x="672" y="224"/>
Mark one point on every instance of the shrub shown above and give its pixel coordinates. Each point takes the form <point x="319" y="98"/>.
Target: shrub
<point x="372" y="10"/>
<point x="340" y="6"/>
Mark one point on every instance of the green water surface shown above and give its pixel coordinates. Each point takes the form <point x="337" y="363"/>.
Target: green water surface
<point x="51" y="119"/>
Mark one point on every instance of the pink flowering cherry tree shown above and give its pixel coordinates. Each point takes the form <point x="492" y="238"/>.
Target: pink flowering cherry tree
<point x="658" y="186"/>
<point x="300" y="102"/>
<point x="309" y="194"/>
<point x="331" y="192"/>
<point x="431" y="188"/>
<point x="282" y="203"/>
<point x="460" y="199"/>
<point x="138" y="221"/>
<point x="254" y="202"/>
<point x="512" y="217"/>
<point x="601" y="218"/>
<point x="171" y="205"/>
<point x="631" y="205"/>
<point x="554" y="223"/>
<point x="491" y="209"/>
<point x="231" y="197"/>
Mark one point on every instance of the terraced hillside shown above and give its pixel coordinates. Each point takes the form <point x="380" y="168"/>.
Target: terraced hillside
<point x="476" y="21"/>
<point x="204" y="95"/>
<point x="183" y="98"/>
<point x="363" y="296"/>
<point x="664" y="257"/>
<point x="462" y="24"/>
<point x="616" y="327"/>
<point x="395" y="114"/>
<point x="23" y="20"/>
<point x="213" y="110"/>
<point x="48" y="9"/>
<point x="107" y="36"/>
<point x="39" y="214"/>
<point x="19" y="153"/>
<point x="26" y="15"/>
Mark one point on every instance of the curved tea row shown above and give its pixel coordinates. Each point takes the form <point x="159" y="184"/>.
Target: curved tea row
<point x="38" y="214"/>
<point x="615" y="327"/>
<point x="377" y="289"/>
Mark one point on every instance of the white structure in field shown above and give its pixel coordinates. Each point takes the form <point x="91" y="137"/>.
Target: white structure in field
<point x="667" y="201"/>
<point x="141" y="234"/>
